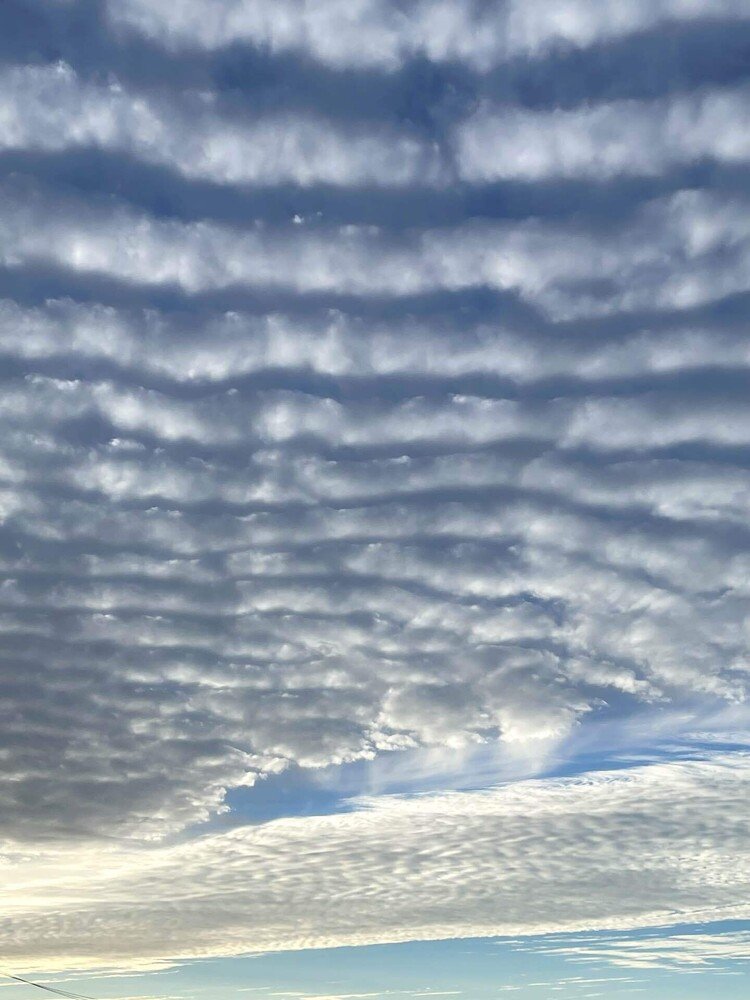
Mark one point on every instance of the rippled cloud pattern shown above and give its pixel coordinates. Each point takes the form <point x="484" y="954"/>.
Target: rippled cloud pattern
<point x="374" y="382"/>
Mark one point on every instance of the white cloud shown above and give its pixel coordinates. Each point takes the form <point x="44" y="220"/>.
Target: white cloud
<point x="221" y="346"/>
<point x="384" y="34"/>
<point x="680" y="252"/>
<point x="663" y="843"/>
<point x="691" y="952"/>
<point x="50" y="108"/>
<point x="602" y="141"/>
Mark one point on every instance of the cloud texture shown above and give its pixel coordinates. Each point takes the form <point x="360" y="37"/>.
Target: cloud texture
<point x="525" y="859"/>
<point x="382" y="33"/>
<point x="374" y="378"/>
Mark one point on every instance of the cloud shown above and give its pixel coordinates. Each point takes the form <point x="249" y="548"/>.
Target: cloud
<point x="203" y="587"/>
<point x="273" y="649"/>
<point x="50" y="108"/>
<point x="620" y="849"/>
<point x="601" y="141"/>
<point x="380" y="34"/>
<point x="374" y="401"/>
<point x="680" y="252"/>
<point x="693" y="952"/>
<point x="194" y="346"/>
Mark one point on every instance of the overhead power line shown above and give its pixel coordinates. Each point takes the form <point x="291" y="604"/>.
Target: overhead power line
<point x="47" y="989"/>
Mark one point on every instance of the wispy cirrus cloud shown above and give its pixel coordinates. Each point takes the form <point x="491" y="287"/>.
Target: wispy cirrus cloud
<point x="694" y="951"/>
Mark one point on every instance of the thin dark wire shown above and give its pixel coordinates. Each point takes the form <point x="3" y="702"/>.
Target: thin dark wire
<point x="49" y="989"/>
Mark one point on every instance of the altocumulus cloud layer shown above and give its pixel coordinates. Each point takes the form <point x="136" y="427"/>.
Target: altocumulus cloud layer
<point x="450" y="865"/>
<point x="374" y="379"/>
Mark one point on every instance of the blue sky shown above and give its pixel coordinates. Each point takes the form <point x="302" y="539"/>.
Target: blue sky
<point x="374" y="495"/>
<point x="474" y="968"/>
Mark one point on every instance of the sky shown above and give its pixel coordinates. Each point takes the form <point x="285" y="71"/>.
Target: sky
<point x="374" y="494"/>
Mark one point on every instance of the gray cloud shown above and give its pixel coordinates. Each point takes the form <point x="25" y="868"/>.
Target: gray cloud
<point x="201" y="590"/>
